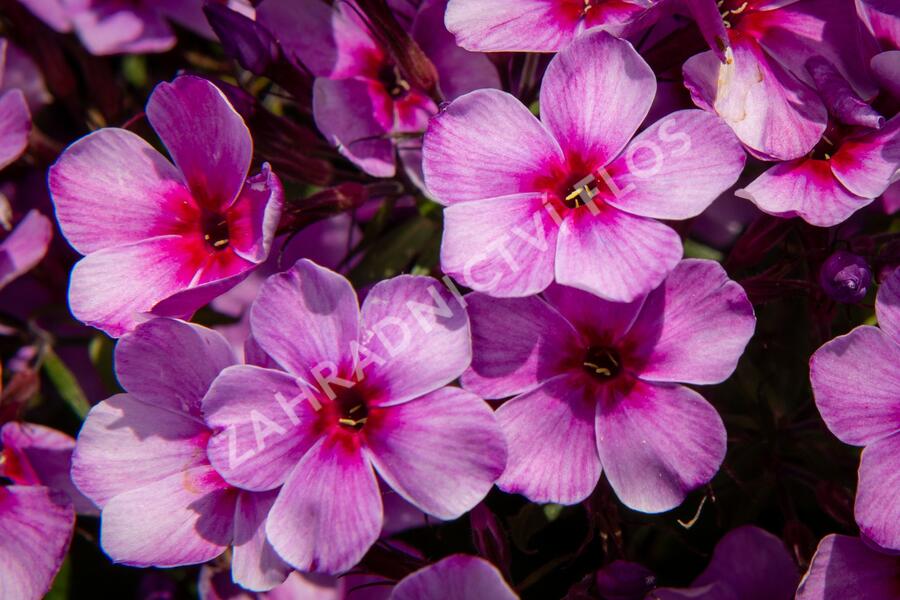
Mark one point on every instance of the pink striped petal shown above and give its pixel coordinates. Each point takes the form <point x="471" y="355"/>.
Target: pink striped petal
<point x="456" y="577"/>
<point x="845" y="567"/>
<point x="524" y="26"/>
<point x="25" y="246"/>
<point x="254" y="564"/>
<point x="15" y="126"/>
<point x="868" y="163"/>
<point x="877" y="505"/>
<point x="887" y="306"/>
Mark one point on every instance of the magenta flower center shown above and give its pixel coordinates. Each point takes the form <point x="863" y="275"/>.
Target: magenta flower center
<point x="215" y="230"/>
<point x="352" y="412"/>
<point x="602" y="362"/>
<point x="393" y="82"/>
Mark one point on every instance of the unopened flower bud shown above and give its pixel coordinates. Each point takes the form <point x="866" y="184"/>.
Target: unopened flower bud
<point x="845" y="277"/>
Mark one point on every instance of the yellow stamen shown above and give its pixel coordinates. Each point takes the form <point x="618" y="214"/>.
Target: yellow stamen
<point x="598" y="369"/>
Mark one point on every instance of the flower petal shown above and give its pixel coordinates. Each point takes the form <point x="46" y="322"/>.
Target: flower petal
<point x="845" y="567"/>
<point x="592" y="317"/>
<point x="676" y="167"/>
<point x="15" y="126"/>
<point x="694" y="327"/>
<point x="254" y="564"/>
<point x="36" y="526"/>
<point x="805" y="188"/>
<point x="866" y="164"/>
<point x="887" y="306"/>
<point x="205" y="137"/>
<point x="877" y="506"/>
<point x="856" y="385"/>
<point x="304" y="316"/>
<point x="255" y="216"/>
<point x="25" y="246"/>
<point x="524" y="26"/>
<point x="501" y="246"/>
<point x="441" y="452"/>
<point x="112" y="188"/>
<point x="486" y="144"/>
<point x="517" y="344"/>
<point x="329" y="511"/>
<point x="657" y="443"/>
<point x="613" y="254"/>
<point x="594" y="95"/>
<point x="435" y="344"/>
<point x="550" y="438"/>
<point x="457" y="577"/>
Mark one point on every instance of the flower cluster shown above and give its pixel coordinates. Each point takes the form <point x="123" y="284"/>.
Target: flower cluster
<point x="450" y="299"/>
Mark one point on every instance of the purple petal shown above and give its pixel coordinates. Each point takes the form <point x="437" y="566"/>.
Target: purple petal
<point x="657" y="443"/>
<point x="15" y="126"/>
<point x="457" y="577"/>
<point x="36" y="526"/>
<point x="125" y="444"/>
<point x="254" y="563"/>
<point x="501" y="246"/>
<point x="839" y="97"/>
<point x="51" y="12"/>
<point x="193" y="356"/>
<point x="315" y="529"/>
<point x="25" y="246"/>
<point x="347" y="113"/>
<point x="877" y="506"/>
<point x="886" y="68"/>
<point x="550" y="438"/>
<point x="615" y="255"/>
<point x="442" y="452"/>
<point x="805" y="188"/>
<point x="305" y="316"/>
<point x="593" y="317"/>
<point x="527" y="25"/>
<point x="517" y="343"/>
<point x="676" y="168"/>
<point x="887" y="306"/>
<point x="205" y="137"/>
<point x="114" y="29"/>
<point x="486" y="144"/>
<point x="773" y="114"/>
<point x="845" y="567"/>
<point x="112" y="188"/>
<point x="694" y="327"/>
<point x="707" y="15"/>
<point x="185" y="519"/>
<point x="420" y="334"/>
<point x="856" y="385"/>
<point x="867" y="164"/>
<point x="263" y="425"/>
<point x="594" y="96"/>
<point x="256" y="214"/>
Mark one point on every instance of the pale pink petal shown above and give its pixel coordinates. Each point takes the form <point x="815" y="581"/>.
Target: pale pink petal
<point x="315" y="529"/>
<point x="857" y="386"/>
<point x="255" y="214"/>
<point x="254" y="563"/>
<point x="419" y="333"/>
<point x="347" y="113"/>
<point x="773" y="114"/>
<point x="305" y="316"/>
<point x="676" y="168"/>
<point x="501" y="246"/>
<point x="205" y="137"/>
<point x="117" y="29"/>
<point x="15" y="126"/>
<point x="877" y="505"/>
<point x="694" y="327"/>
<point x="517" y="344"/>
<point x="592" y="317"/>
<point x="551" y="443"/>
<point x="36" y="526"/>
<point x="805" y="188"/>
<point x="844" y="567"/>
<point x="657" y="442"/>
<point x="868" y="163"/>
<point x="193" y="356"/>
<point x="887" y="306"/>
<point x="262" y="423"/>
<point x="457" y="577"/>
<point x="25" y="246"/>
<point x="523" y="26"/>
<point x="613" y="254"/>
<point x="486" y="144"/>
<point x="442" y="452"/>
<point x="112" y="188"/>
<point x="594" y="96"/>
<point x="186" y="518"/>
<point x="125" y="444"/>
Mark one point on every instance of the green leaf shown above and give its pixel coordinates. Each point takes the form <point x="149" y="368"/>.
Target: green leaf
<point x="394" y="252"/>
<point x="65" y="383"/>
<point x="60" y="589"/>
<point x="694" y="249"/>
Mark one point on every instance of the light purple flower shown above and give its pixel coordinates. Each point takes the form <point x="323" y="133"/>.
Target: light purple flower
<point x="141" y="457"/>
<point x="845" y="567"/>
<point x="457" y="577"/>
<point x="747" y="564"/>
<point x="360" y="98"/>
<point x="37" y="515"/>
<point x="362" y="391"/>
<point x="158" y="237"/>
<point x="596" y="384"/>
<point x="825" y="191"/>
<point x="15" y="117"/>
<point x="24" y="246"/>
<point x="516" y="188"/>
<point x="116" y="27"/>
<point x="856" y="382"/>
<point x="537" y="25"/>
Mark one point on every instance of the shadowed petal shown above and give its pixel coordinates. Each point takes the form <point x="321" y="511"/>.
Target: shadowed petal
<point x="845" y="567"/>
<point x="457" y="577"/>
<point x="25" y="246"/>
<point x="254" y="563"/>
<point x="15" y="126"/>
<point x="866" y="164"/>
